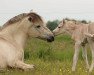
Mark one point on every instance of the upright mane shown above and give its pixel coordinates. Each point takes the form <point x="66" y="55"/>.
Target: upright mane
<point x="35" y="18"/>
<point x="77" y="21"/>
<point x="68" y="19"/>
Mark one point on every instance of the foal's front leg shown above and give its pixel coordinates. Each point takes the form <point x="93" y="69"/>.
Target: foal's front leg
<point x="75" y="57"/>
<point x="84" y="55"/>
<point x="23" y="66"/>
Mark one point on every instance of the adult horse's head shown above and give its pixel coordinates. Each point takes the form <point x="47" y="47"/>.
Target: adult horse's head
<point x="38" y="28"/>
<point x="33" y="25"/>
<point x="65" y="26"/>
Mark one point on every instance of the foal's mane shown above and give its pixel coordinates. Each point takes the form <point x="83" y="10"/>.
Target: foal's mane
<point x="77" y="21"/>
<point x="68" y="19"/>
<point x="35" y="18"/>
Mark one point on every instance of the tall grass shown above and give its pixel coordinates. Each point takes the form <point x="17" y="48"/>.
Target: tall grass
<point x="58" y="50"/>
<point x="61" y="49"/>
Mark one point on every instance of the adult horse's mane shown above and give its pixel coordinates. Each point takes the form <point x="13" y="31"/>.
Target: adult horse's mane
<point x="35" y="18"/>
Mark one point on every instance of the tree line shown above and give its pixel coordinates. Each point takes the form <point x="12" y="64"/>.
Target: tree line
<point x="53" y="24"/>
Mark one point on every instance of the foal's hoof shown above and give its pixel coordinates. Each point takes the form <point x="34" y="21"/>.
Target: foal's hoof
<point x="87" y="68"/>
<point x="90" y="70"/>
<point x="73" y="69"/>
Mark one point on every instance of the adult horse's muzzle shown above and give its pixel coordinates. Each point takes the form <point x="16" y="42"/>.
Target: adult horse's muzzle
<point x="50" y="38"/>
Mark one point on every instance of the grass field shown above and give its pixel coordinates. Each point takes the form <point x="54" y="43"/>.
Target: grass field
<point x="51" y="58"/>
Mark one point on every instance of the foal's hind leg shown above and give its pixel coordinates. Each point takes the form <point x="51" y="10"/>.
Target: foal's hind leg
<point x="23" y="66"/>
<point x="91" y="43"/>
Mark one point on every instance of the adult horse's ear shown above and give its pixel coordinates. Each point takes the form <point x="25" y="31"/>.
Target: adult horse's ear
<point x="63" y="21"/>
<point x="30" y="19"/>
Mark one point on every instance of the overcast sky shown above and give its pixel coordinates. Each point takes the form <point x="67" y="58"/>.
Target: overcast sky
<point x="48" y="9"/>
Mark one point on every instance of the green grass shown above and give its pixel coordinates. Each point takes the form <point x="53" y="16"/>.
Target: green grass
<point x="51" y="58"/>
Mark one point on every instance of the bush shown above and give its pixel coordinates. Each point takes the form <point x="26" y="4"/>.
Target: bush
<point x="52" y="24"/>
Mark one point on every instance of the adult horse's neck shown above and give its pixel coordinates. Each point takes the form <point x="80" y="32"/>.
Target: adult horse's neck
<point x="16" y="33"/>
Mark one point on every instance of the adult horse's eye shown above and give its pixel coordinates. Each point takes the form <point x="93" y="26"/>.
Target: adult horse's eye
<point x="58" y="27"/>
<point x="38" y="26"/>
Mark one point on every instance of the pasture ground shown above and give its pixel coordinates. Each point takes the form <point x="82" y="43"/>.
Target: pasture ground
<point x="52" y="58"/>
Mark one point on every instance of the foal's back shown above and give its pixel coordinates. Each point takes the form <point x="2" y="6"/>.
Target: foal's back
<point x="91" y="28"/>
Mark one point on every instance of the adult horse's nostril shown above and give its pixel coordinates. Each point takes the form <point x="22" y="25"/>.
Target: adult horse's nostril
<point x="50" y="38"/>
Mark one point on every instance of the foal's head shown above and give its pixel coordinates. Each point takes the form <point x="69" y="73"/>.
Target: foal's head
<point x="64" y="27"/>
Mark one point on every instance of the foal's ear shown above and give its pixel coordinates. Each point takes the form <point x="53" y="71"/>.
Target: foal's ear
<point x="30" y="19"/>
<point x="64" y="21"/>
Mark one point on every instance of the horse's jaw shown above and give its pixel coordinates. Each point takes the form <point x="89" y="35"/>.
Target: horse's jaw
<point x="48" y="39"/>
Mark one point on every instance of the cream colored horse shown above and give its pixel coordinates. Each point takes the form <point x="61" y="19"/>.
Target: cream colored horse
<point x="81" y="34"/>
<point x="14" y="35"/>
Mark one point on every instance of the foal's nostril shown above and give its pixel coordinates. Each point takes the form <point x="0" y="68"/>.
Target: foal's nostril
<point x="54" y="33"/>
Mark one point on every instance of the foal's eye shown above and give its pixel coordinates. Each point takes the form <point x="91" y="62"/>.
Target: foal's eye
<point x="38" y="26"/>
<point x="58" y="27"/>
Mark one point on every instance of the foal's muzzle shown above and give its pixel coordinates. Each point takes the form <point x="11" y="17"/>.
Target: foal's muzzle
<point x="50" y="39"/>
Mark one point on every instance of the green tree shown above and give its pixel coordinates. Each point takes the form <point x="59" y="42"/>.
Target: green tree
<point x="84" y="21"/>
<point x="52" y="24"/>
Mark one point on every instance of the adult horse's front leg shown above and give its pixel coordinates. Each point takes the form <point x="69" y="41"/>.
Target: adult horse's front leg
<point x="23" y="66"/>
<point x="75" y="57"/>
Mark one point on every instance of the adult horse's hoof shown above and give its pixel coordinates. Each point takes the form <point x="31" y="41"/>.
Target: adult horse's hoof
<point x="29" y="67"/>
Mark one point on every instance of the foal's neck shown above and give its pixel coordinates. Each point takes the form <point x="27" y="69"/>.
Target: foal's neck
<point x="71" y="29"/>
<point x="70" y="32"/>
